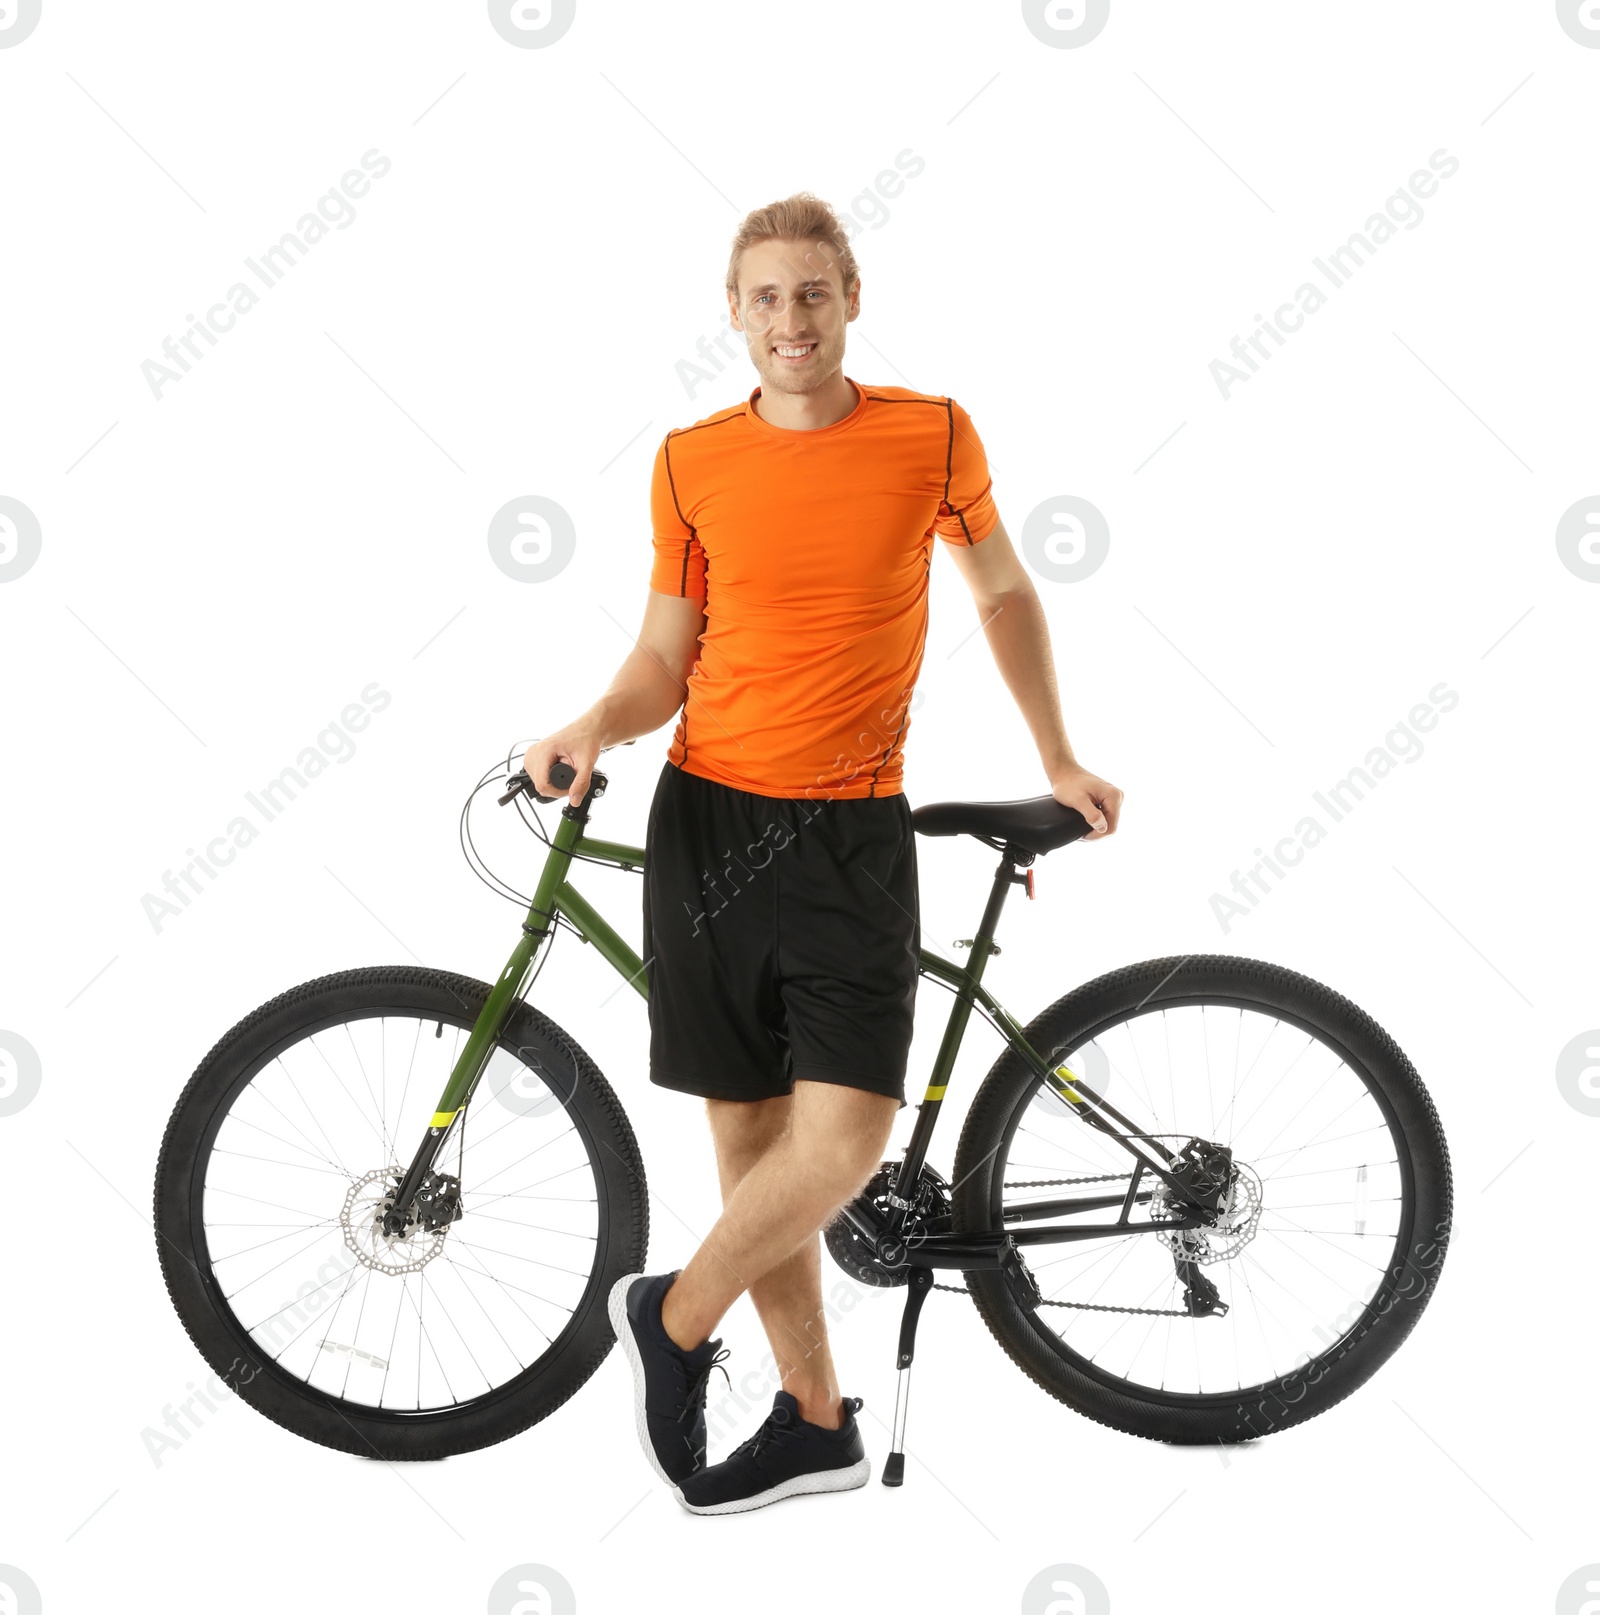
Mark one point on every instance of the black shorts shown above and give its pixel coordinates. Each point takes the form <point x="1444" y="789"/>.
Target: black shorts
<point x="781" y="940"/>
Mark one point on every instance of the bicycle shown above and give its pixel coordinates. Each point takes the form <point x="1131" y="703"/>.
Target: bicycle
<point x="430" y="1337"/>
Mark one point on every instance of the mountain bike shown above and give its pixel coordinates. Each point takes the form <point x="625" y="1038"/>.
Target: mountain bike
<point x="1200" y="1199"/>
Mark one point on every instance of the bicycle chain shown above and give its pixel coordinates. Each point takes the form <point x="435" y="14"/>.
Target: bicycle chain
<point x="1050" y="1183"/>
<point x="1078" y="1306"/>
<point x="1083" y="1306"/>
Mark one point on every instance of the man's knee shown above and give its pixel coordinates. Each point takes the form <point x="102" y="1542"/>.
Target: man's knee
<point x="842" y="1132"/>
<point x="743" y="1131"/>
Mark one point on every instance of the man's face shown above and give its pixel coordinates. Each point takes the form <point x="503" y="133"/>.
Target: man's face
<point x="793" y="308"/>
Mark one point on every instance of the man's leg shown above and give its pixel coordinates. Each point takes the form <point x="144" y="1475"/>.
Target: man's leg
<point x="788" y="1300"/>
<point x="765" y="1240"/>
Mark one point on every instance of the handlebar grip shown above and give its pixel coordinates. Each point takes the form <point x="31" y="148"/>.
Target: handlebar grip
<point x="561" y="776"/>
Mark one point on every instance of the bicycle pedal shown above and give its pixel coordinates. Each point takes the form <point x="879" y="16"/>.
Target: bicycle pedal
<point x="1020" y="1281"/>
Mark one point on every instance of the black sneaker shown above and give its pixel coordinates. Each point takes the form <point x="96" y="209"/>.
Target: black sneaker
<point x="669" y="1384"/>
<point x="784" y="1458"/>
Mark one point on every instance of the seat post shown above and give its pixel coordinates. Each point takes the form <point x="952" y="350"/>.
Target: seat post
<point x="1005" y="877"/>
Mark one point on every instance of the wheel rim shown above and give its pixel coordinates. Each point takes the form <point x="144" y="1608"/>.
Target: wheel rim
<point x="1273" y="1087"/>
<point x="286" y="1216"/>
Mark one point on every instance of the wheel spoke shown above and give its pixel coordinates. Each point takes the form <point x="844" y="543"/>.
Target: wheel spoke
<point x="428" y="1319"/>
<point x="1288" y="1106"/>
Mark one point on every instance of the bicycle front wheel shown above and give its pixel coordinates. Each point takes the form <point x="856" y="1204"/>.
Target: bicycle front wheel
<point x="1328" y="1246"/>
<point x="270" y="1192"/>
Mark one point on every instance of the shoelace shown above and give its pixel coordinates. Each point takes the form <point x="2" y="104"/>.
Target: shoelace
<point x="773" y="1429"/>
<point x="696" y="1387"/>
<point x="777" y="1425"/>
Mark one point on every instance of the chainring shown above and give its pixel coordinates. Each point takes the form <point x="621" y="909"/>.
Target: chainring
<point x="930" y="1213"/>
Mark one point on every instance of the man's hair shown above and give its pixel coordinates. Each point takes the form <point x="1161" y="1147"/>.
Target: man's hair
<point x="802" y="218"/>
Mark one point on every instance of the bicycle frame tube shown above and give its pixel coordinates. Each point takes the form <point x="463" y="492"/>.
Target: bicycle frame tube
<point x="1066" y="1083"/>
<point x="966" y="983"/>
<point x="1089" y="1106"/>
<point x="553" y="896"/>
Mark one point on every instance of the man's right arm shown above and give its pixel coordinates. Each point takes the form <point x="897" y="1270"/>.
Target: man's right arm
<point x="647" y="691"/>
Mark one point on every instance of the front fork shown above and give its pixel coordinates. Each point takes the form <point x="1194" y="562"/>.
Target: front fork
<point x="496" y="1011"/>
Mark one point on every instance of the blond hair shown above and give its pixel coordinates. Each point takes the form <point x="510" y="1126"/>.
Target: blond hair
<point x="801" y="218"/>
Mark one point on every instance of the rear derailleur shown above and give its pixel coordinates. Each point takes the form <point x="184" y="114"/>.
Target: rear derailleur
<point x="1205" y="1176"/>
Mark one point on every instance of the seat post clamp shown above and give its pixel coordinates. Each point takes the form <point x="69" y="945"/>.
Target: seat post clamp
<point x="1018" y="858"/>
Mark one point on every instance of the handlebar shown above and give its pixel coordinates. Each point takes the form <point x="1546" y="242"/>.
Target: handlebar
<point x="561" y="776"/>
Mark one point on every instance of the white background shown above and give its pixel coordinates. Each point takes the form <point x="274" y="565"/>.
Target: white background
<point x="305" y="513"/>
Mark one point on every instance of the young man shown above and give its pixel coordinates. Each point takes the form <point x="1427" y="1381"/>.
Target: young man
<point x="786" y="619"/>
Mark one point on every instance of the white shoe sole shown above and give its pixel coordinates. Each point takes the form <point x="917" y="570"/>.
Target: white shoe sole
<point x="617" y="1311"/>
<point x="824" y="1480"/>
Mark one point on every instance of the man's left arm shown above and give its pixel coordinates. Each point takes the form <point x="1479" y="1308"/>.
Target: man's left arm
<point x="1019" y="637"/>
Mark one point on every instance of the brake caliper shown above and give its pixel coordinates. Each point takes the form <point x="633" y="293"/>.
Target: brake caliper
<point x="1206" y="1182"/>
<point x="438" y="1202"/>
<point x="1204" y="1173"/>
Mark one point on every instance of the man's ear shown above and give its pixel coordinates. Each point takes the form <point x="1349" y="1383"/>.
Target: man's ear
<point x="733" y="313"/>
<point x="855" y="302"/>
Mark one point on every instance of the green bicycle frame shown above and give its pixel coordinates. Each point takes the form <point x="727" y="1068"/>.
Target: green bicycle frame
<point x="555" y="895"/>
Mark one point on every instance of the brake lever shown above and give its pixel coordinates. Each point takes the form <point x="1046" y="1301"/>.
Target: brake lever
<point x="518" y="783"/>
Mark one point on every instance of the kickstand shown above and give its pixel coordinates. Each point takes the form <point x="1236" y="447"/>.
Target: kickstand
<point x="918" y="1285"/>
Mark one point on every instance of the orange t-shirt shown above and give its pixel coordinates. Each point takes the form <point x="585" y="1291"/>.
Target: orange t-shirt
<point x="811" y="551"/>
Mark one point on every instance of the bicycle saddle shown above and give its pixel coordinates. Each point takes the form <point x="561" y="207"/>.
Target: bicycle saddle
<point x="1038" y="825"/>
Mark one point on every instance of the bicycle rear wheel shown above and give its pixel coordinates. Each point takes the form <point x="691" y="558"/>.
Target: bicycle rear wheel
<point x="1333" y="1240"/>
<point x="271" y="1187"/>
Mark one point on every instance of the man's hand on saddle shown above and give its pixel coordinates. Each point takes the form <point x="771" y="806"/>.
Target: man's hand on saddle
<point x="1096" y="799"/>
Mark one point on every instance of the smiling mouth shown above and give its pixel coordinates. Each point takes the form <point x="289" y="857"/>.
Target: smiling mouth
<point x="793" y="353"/>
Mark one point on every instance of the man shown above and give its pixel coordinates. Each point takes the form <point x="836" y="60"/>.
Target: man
<point x="788" y="609"/>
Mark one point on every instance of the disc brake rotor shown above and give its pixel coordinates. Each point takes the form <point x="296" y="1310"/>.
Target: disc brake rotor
<point x="361" y="1218"/>
<point x="1234" y="1228"/>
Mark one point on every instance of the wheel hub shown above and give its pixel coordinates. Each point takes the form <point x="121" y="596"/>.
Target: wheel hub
<point x="1228" y="1192"/>
<point x="367" y="1207"/>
